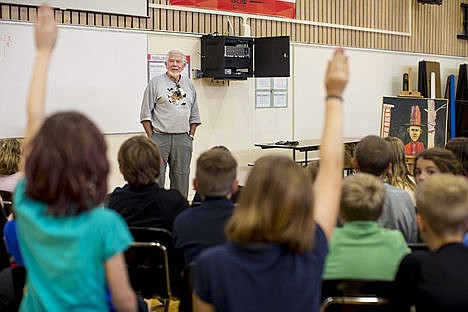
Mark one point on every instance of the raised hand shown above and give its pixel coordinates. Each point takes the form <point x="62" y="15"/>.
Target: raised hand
<point x="45" y="35"/>
<point x="327" y="187"/>
<point x="45" y="31"/>
<point x="336" y="76"/>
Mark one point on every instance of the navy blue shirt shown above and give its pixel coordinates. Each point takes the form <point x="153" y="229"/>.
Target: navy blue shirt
<point x="234" y="197"/>
<point x="433" y="280"/>
<point x="200" y="227"/>
<point x="263" y="277"/>
<point x="147" y="206"/>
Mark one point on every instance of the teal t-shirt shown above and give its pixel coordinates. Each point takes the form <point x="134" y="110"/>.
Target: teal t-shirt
<point x="64" y="256"/>
<point x="364" y="250"/>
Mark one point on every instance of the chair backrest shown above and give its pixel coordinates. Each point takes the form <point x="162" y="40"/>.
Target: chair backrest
<point x="356" y="295"/>
<point x="151" y="234"/>
<point x="148" y="262"/>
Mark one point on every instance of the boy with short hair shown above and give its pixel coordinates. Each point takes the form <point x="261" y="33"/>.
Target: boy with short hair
<point x="373" y="155"/>
<point x="361" y="249"/>
<point x="142" y="202"/>
<point x="436" y="280"/>
<point x="202" y="226"/>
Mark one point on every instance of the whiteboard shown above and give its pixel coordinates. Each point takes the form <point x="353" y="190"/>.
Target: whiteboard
<point x="101" y="73"/>
<point x="124" y="7"/>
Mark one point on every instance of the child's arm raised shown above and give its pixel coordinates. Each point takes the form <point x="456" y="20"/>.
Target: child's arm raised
<point x="327" y="187"/>
<point x="45" y="34"/>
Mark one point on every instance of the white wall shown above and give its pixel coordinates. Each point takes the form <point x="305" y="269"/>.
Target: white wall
<point x="229" y="116"/>
<point x="228" y="112"/>
<point x="373" y="74"/>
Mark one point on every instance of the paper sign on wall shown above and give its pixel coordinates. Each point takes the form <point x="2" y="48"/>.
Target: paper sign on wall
<point x="271" y="92"/>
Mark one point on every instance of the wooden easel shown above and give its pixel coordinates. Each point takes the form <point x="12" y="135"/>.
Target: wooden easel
<point x="409" y="161"/>
<point x="409" y="92"/>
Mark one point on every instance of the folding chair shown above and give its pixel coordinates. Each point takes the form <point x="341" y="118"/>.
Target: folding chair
<point x="148" y="263"/>
<point x="356" y="295"/>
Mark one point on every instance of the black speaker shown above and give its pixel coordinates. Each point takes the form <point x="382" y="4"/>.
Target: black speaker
<point x="461" y="102"/>
<point x="227" y="57"/>
<point x="438" y="2"/>
<point x="230" y="57"/>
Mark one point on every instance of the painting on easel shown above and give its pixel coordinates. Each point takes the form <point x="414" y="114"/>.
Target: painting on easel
<point x="420" y="123"/>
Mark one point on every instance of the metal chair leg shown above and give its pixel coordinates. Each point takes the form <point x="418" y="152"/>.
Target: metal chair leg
<point x="166" y="303"/>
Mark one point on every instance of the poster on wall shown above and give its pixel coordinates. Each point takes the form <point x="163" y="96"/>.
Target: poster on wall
<point x="271" y="92"/>
<point x="420" y="123"/>
<point x="283" y="8"/>
<point x="157" y="65"/>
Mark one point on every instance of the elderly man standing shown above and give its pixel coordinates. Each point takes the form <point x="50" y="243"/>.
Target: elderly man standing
<point x="169" y="114"/>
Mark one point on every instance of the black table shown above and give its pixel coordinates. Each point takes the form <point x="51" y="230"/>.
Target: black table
<point x="302" y="146"/>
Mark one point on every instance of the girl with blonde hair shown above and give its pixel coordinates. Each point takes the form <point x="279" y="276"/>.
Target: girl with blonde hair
<point x="398" y="174"/>
<point x="279" y="231"/>
<point x="10" y="157"/>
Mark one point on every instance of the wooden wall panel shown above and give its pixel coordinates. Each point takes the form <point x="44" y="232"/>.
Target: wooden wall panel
<point x="433" y="29"/>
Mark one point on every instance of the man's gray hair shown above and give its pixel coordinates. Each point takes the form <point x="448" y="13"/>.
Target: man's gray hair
<point x="176" y="52"/>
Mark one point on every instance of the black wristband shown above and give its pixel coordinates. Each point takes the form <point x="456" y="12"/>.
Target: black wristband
<point x="334" y="97"/>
